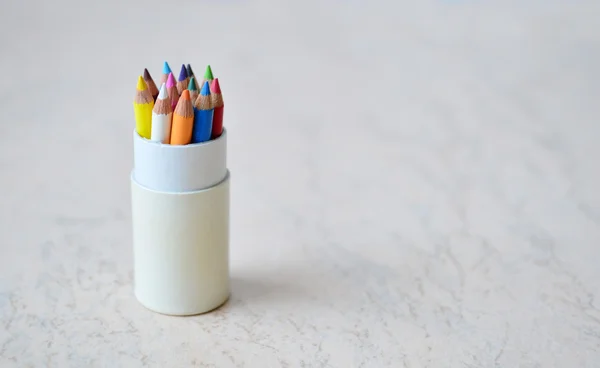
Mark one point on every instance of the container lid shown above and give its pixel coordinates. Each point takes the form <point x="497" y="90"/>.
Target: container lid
<point x="191" y="167"/>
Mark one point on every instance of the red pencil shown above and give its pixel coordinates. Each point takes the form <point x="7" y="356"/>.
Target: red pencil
<point x="217" y="102"/>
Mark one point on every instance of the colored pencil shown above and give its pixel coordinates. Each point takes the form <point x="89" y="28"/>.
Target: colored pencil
<point x="203" y="115"/>
<point x="218" y="106"/>
<point x="208" y="76"/>
<point x="142" y="107"/>
<point x="182" y="81"/>
<point x="191" y="74"/>
<point x="161" y="117"/>
<point x="151" y="85"/>
<point x="183" y="120"/>
<point x="193" y="88"/>
<point x="172" y="89"/>
<point x="165" y="73"/>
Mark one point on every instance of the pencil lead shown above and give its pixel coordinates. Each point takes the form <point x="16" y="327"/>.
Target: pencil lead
<point x="166" y="68"/>
<point x="216" y="99"/>
<point x="192" y="84"/>
<point x="215" y="87"/>
<point x="190" y="72"/>
<point x="185" y="95"/>
<point x="147" y="75"/>
<point x="208" y="73"/>
<point x="163" y="94"/>
<point x="170" y="81"/>
<point x="183" y="73"/>
<point x="205" y="91"/>
<point x="150" y="84"/>
<point x="141" y="85"/>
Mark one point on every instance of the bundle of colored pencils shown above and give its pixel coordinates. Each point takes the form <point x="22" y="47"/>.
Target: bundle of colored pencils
<point x="180" y="111"/>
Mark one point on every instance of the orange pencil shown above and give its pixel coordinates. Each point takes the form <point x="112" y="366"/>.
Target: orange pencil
<point x="183" y="120"/>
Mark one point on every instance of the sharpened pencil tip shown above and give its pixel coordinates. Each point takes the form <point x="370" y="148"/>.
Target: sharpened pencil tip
<point x="166" y="68"/>
<point x="182" y="73"/>
<point x="147" y="75"/>
<point x="215" y="87"/>
<point x="141" y="85"/>
<point x="163" y="94"/>
<point x="185" y="95"/>
<point x="208" y="73"/>
<point x="205" y="89"/>
<point x="192" y="84"/>
<point x="170" y="81"/>
<point x="189" y="70"/>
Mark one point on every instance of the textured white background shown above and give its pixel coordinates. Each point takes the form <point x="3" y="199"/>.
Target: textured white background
<point x="414" y="183"/>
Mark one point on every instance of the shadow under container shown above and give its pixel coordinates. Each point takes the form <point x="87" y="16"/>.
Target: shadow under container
<point x="180" y="216"/>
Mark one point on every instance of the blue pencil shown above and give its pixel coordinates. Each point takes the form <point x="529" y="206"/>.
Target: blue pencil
<point x="203" y="116"/>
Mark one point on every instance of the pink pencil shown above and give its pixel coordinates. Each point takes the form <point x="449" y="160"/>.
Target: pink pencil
<point x="172" y="89"/>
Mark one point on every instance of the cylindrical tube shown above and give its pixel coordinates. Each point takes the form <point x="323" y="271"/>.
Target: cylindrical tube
<point x="180" y="214"/>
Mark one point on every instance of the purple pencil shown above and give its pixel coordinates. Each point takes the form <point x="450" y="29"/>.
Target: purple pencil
<point x="183" y="80"/>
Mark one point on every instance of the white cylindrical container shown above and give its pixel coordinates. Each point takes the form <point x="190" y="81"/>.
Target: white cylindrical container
<point x="180" y="215"/>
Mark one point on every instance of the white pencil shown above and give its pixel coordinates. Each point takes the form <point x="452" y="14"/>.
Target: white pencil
<point x="161" y="117"/>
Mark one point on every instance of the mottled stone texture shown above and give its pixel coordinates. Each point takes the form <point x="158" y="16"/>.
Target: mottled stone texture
<point x="414" y="183"/>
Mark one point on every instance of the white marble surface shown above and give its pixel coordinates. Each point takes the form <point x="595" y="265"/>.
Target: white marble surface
<point x="415" y="184"/>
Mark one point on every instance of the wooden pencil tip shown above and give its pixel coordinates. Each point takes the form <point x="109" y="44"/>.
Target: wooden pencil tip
<point x="141" y="85"/>
<point x="208" y="75"/>
<point x="215" y="87"/>
<point x="147" y="75"/>
<point x="163" y="94"/>
<point x="182" y="73"/>
<point x="205" y="91"/>
<point x="185" y="95"/>
<point x="166" y="68"/>
<point x="170" y="81"/>
<point x="192" y="84"/>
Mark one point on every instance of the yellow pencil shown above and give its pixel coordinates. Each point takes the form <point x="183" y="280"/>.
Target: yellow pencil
<point x="143" y="104"/>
